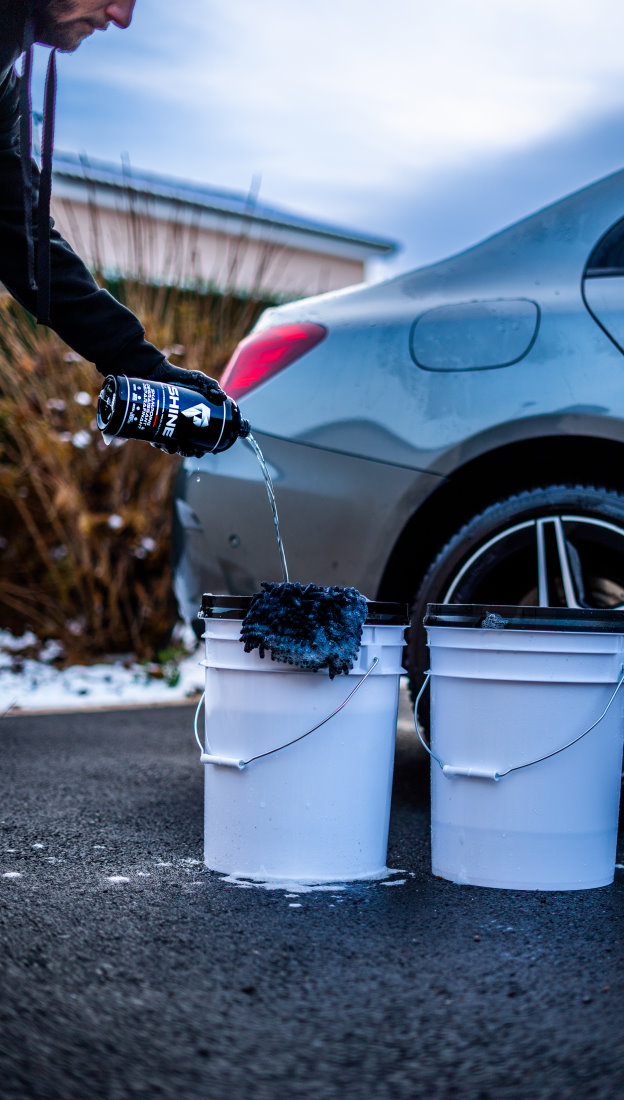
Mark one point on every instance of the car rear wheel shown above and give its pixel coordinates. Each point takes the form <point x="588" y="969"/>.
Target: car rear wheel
<point x="557" y="546"/>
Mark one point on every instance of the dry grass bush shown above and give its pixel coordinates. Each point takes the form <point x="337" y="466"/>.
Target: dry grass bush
<point x="84" y="528"/>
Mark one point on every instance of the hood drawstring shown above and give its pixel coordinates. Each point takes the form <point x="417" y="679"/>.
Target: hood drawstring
<point x="40" y="285"/>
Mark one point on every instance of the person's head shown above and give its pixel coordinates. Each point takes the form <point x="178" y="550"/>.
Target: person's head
<point x="65" y="23"/>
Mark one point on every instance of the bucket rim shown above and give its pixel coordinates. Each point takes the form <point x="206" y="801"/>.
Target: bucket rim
<point x="508" y="617"/>
<point x="379" y="613"/>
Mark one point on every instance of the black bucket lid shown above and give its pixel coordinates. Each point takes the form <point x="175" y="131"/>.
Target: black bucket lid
<point x="236" y="607"/>
<point x="493" y="617"/>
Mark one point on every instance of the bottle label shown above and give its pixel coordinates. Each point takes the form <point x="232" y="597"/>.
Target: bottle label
<point x="199" y="414"/>
<point x="172" y="411"/>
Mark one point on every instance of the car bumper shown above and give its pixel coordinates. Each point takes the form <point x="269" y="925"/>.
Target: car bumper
<point x="340" y="517"/>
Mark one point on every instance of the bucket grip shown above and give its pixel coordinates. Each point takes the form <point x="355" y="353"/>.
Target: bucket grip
<point x="223" y="761"/>
<point x="452" y="771"/>
<point x="231" y="762"/>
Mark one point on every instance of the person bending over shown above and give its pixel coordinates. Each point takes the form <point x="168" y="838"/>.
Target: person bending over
<point x="37" y="266"/>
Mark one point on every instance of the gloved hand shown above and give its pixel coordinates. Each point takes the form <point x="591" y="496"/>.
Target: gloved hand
<point x="192" y="379"/>
<point x="173" y="450"/>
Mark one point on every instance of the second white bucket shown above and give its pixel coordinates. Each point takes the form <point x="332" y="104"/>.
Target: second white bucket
<point x="526" y="745"/>
<point x="317" y="809"/>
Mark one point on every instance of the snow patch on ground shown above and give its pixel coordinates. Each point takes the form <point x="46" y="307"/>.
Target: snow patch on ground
<point x="28" y="683"/>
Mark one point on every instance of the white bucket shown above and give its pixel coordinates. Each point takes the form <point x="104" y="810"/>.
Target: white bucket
<point x="314" y="810"/>
<point x="526" y="745"/>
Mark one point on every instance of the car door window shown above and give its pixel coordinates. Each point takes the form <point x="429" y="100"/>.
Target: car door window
<point x="603" y="284"/>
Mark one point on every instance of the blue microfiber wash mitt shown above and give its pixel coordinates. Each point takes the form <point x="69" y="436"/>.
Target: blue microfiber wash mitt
<point x="306" y="625"/>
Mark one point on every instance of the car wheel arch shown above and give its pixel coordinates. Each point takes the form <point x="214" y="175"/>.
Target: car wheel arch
<point x="555" y="545"/>
<point x="481" y="482"/>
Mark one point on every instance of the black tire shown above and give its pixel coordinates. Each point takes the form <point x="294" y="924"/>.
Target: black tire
<point x="494" y="559"/>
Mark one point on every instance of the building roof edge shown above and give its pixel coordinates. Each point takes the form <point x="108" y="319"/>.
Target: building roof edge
<point x="82" y="169"/>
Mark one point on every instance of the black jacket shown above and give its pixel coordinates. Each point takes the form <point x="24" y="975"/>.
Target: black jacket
<point x="90" y="320"/>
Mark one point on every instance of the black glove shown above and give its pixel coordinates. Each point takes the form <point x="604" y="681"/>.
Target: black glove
<point x="173" y="450"/>
<point x="192" y="379"/>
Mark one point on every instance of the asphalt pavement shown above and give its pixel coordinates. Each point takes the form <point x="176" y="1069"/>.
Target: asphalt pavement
<point x="127" y="970"/>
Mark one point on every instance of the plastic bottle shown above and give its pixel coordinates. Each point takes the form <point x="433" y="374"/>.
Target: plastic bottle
<point x="171" y="416"/>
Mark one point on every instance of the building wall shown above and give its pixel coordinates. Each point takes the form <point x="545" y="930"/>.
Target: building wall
<point x="134" y="243"/>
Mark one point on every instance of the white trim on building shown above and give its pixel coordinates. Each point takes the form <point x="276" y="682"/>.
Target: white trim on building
<point x="168" y="231"/>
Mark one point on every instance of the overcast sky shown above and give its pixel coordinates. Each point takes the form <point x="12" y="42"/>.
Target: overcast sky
<point x="433" y="124"/>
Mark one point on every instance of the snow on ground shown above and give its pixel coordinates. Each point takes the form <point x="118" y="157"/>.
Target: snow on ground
<point x="28" y="683"/>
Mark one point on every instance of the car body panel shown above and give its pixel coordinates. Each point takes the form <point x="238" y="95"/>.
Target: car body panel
<point x="225" y="535"/>
<point x="482" y="335"/>
<point x="359" y="436"/>
<point x="541" y="259"/>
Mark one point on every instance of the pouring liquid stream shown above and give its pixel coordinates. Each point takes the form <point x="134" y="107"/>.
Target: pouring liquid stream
<point x="253" y="443"/>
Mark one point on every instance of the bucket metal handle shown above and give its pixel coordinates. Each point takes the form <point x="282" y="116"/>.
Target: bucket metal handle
<point x="231" y="762"/>
<point x="451" y="770"/>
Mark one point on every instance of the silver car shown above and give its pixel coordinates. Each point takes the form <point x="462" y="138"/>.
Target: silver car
<point x="455" y="434"/>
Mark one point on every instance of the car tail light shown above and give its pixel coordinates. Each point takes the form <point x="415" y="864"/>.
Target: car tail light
<point x="261" y="355"/>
